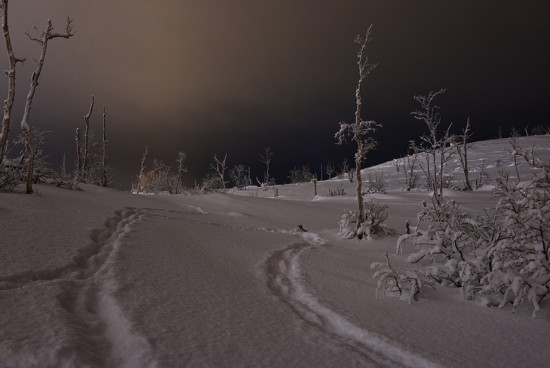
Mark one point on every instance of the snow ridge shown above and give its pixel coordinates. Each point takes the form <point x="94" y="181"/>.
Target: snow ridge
<point x="284" y="279"/>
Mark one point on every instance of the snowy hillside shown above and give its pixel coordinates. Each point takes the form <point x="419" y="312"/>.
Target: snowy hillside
<point x="100" y="278"/>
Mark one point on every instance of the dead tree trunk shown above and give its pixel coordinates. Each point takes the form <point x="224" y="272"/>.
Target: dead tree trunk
<point x="78" y="158"/>
<point x="104" y="180"/>
<point x="85" y="162"/>
<point x="141" y="170"/>
<point x="266" y="160"/>
<point x="45" y="37"/>
<point x="12" y="62"/>
<point x="462" y="150"/>
<point x="219" y="168"/>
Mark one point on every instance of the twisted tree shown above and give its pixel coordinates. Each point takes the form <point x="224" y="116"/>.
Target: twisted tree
<point x="43" y="40"/>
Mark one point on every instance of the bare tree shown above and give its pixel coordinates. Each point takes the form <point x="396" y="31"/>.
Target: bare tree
<point x="266" y="159"/>
<point x="64" y="175"/>
<point x="78" y="157"/>
<point x="141" y="171"/>
<point x="432" y="144"/>
<point x="409" y="165"/>
<point x="398" y="162"/>
<point x="85" y="156"/>
<point x="219" y="167"/>
<point x="360" y="130"/>
<point x="329" y="169"/>
<point x="180" y="161"/>
<point x="239" y="176"/>
<point x="462" y="147"/>
<point x="43" y="41"/>
<point x="104" y="180"/>
<point x="300" y="175"/>
<point x="12" y="62"/>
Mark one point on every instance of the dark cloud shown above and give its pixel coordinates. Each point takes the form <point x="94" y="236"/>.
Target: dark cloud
<point x="235" y="76"/>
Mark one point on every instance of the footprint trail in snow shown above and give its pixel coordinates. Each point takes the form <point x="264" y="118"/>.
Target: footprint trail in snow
<point x="103" y="334"/>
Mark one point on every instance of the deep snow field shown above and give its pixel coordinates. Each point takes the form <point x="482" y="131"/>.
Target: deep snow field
<point x="101" y="278"/>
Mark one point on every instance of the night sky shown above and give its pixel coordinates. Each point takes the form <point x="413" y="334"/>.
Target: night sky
<point x="232" y="76"/>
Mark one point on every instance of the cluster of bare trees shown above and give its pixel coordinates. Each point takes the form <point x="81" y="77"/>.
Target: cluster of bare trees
<point x="28" y="160"/>
<point x="91" y="160"/>
<point x="300" y="174"/>
<point x="161" y="177"/>
<point x="238" y="176"/>
<point x="91" y="164"/>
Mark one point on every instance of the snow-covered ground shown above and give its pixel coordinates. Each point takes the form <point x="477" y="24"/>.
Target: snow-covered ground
<point x="100" y="278"/>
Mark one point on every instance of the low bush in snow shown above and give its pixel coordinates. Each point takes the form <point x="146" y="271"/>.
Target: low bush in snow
<point x="410" y="284"/>
<point x="375" y="215"/>
<point x="339" y="191"/>
<point x="376" y="183"/>
<point x="498" y="258"/>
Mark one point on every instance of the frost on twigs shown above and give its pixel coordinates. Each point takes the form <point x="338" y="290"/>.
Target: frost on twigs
<point x="499" y="258"/>
<point x="373" y="226"/>
<point x="409" y="284"/>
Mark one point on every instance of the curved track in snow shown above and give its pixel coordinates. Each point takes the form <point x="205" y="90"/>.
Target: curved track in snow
<point x="284" y="279"/>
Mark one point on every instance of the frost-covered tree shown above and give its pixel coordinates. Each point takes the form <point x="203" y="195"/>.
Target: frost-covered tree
<point x="433" y="144"/>
<point x="43" y="38"/>
<point x="10" y="72"/>
<point x="239" y="176"/>
<point x="376" y="182"/>
<point x="181" y="168"/>
<point x="86" y="148"/>
<point x="266" y="159"/>
<point x="42" y="171"/>
<point x="160" y="179"/>
<point x="344" y="170"/>
<point x="104" y="181"/>
<point x="300" y="175"/>
<point x="408" y="168"/>
<point x="462" y="146"/>
<point x="219" y="167"/>
<point x="141" y="172"/>
<point x="329" y="169"/>
<point x="360" y="131"/>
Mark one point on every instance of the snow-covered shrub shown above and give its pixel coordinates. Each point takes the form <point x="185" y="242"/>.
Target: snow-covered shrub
<point x="11" y="174"/>
<point x="499" y="258"/>
<point x="211" y="182"/>
<point x="376" y="183"/>
<point x="407" y="283"/>
<point x="159" y="179"/>
<point x="339" y="191"/>
<point x="240" y="176"/>
<point x="375" y="215"/>
<point x="300" y="175"/>
<point x="348" y="225"/>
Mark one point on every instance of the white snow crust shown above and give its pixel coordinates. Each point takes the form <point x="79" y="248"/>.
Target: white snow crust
<point x="100" y="278"/>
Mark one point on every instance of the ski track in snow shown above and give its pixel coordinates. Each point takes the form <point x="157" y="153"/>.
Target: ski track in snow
<point x="284" y="280"/>
<point x="89" y="296"/>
